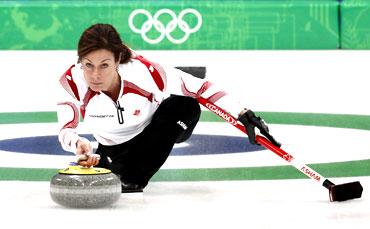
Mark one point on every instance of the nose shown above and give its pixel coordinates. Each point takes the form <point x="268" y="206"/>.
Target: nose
<point x="95" y="74"/>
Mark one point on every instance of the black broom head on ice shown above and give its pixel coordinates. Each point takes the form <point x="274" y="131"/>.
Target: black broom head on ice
<point x="347" y="191"/>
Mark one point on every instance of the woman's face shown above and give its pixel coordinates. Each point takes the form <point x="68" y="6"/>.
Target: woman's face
<point x="99" y="70"/>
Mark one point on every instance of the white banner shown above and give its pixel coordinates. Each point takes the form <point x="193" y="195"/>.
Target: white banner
<point x="334" y="81"/>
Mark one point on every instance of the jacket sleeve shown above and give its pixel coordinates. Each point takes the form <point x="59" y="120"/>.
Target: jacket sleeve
<point x="181" y="83"/>
<point x="68" y="111"/>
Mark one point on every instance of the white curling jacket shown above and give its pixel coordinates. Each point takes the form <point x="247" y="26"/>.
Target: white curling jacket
<point x="144" y="85"/>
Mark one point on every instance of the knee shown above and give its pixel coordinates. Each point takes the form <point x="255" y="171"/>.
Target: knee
<point x="183" y="107"/>
<point x="188" y="116"/>
<point x="180" y="114"/>
<point x="187" y="106"/>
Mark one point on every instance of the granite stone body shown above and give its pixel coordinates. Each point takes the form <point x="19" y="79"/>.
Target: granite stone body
<point x="85" y="190"/>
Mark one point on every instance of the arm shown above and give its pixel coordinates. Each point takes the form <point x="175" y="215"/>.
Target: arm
<point x="210" y="94"/>
<point x="68" y="110"/>
<point x="181" y="83"/>
<point x="68" y="120"/>
<point x="70" y="140"/>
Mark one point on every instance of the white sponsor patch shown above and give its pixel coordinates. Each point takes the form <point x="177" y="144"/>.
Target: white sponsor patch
<point x="183" y="125"/>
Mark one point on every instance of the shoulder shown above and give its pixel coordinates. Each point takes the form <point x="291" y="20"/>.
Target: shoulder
<point x="72" y="81"/>
<point x="134" y="70"/>
<point x="153" y="69"/>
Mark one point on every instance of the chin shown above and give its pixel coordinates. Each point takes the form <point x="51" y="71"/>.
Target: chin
<point x="95" y="88"/>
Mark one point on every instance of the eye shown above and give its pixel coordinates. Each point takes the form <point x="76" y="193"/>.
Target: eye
<point x="104" y="66"/>
<point x="88" y="65"/>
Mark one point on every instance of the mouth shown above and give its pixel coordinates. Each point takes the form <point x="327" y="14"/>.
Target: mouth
<point x="96" y="84"/>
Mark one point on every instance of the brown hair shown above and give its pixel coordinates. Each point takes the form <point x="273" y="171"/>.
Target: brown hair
<point x="103" y="36"/>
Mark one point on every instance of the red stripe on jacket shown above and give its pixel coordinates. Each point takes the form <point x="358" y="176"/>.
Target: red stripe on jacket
<point x="155" y="71"/>
<point x="205" y="86"/>
<point x="66" y="80"/>
<point x="89" y="94"/>
<point x="129" y="87"/>
<point x="74" y="122"/>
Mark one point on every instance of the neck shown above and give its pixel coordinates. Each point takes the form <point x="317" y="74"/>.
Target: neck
<point x="113" y="91"/>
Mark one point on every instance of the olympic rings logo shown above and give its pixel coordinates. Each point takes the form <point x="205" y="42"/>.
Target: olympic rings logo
<point x="165" y="30"/>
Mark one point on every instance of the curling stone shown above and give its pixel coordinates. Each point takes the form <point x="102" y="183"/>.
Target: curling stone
<point x="80" y="187"/>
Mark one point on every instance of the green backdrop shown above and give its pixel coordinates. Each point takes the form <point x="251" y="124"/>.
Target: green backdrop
<point x="223" y="25"/>
<point x="355" y="21"/>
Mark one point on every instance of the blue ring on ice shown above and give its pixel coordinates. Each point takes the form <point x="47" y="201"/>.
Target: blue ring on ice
<point x="196" y="145"/>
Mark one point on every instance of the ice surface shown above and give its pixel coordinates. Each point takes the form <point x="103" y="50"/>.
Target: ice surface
<point x="225" y="204"/>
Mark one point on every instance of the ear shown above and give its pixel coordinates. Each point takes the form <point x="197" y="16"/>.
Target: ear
<point x="119" y="59"/>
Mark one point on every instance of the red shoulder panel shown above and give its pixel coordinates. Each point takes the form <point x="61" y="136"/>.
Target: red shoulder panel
<point x="155" y="70"/>
<point x="66" y="80"/>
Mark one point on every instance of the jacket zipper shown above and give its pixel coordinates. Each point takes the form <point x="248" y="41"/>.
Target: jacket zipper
<point x="119" y="113"/>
